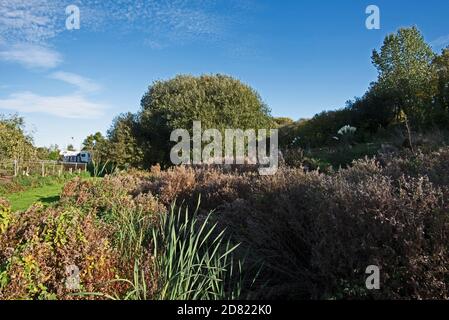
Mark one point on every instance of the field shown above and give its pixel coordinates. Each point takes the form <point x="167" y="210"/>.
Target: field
<point x="22" y="192"/>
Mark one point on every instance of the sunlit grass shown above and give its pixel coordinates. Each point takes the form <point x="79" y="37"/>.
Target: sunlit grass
<point x="46" y="194"/>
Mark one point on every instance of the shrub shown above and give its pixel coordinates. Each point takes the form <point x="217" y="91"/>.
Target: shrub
<point x="433" y="164"/>
<point x="317" y="233"/>
<point x="5" y="215"/>
<point x="110" y="193"/>
<point x="39" y="246"/>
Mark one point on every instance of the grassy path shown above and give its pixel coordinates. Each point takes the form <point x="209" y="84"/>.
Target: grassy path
<point x="46" y="194"/>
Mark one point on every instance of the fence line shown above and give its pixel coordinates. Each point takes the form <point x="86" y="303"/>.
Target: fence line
<point x="41" y="167"/>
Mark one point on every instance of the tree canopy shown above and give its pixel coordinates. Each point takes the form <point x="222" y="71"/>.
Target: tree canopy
<point x="122" y="136"/>
<point x="404" y="64"/>
<point x="218" y="101"/>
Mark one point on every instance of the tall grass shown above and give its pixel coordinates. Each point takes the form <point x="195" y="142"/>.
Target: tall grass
<point x="98" y="169"/>
<point x="193" y="260"/>
<point x="189" y="258"/>
<point x="132" y="232"/>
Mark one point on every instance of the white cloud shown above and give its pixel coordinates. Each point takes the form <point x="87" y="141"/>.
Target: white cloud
<point x="31" y="56"/>
<point x="83" y="84"/>
<point x="68" y="106"/>
<point x="441" y="41"/>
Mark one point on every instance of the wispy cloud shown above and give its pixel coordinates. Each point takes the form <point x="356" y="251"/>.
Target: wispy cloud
<point x="68" y="106"/>
<point x="31" y="56"/>
<point x="441" y="41"/>
<point x="37" y="21"/>
<point x="83" y="84"/>
<point x="31" y="21"/>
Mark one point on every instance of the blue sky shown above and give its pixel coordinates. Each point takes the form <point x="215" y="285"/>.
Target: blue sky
<point x="301" y="56"/>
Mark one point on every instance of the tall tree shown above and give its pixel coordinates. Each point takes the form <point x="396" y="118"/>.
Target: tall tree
<point x="122" y="141"/>
<point x="96" y="144"/>
<point x="405" y="70"/>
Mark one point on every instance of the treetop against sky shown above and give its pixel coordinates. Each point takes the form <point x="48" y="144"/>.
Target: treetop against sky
<point x="70" y="66"/>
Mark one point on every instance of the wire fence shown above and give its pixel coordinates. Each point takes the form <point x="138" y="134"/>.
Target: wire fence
<point x="39" y="167"/>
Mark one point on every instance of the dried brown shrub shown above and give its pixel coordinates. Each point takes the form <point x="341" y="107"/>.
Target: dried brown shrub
<point x="111" y="193"/>
<point x="434" y="165"/>
<point x="317" y="233"/>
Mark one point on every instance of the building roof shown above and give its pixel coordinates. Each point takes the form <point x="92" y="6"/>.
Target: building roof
<point x="69" y="153"/>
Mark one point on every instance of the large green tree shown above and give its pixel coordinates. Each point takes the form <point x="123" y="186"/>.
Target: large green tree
<point x="218" y="101"/>
<point x="405" y="71"/>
